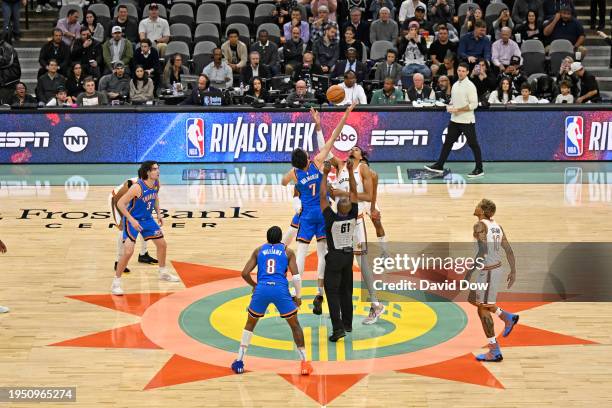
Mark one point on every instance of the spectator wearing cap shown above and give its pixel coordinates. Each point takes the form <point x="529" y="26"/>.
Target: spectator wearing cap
<point x="57" y="50"/>
<point x="362" y="28"/>
<point x="268" y="53"/>
<point x="589" y="88"/>
<point x="504" y="49"/>
<point x="384" y="28"/>
<point x="49" y="82"/>
<point x="117" y="49"/>
<point x="440" y="47"/>
<point x="327" y="50"/>
<point x="408" y="8"/>
<point x="70" y="26"/>
<point x="155" y="29"/>
<point x="525" y="96"/>
<point x="419" y="91"/>
<point x="351" y="63"/>
<point x="353" y="92"/>
<point x="88" y="52"/>
<point x="475" y="45"/>
<point x="419" y="17"/>
<point x="389" y="68"/>
<point x="441" y="11"/>
<point x="117" y="84"/>
<point x="129" y="26"/>
<point x="21" y="97"/>
<point x="564" y="26"/>
<point x="61" y="98"/>
<point x="321" y="23"/>
<point x="255" y="68"/>
<point x="91" y="97"/>
<point x="377" y="5"/>
<point x="219" y="73"/>
<point x="414" y="49"/>
<point x="296" y="21"/>
<point x="332" y="6"/>
<point x="388" y="95"/>
<point x="513" y="72"/>
<point x="148" y="58"/>
<point x="235" y="51"/>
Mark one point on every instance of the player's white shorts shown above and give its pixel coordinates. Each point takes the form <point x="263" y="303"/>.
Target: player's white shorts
<point x="360" y="237"/>
<point x="494" y="278"/>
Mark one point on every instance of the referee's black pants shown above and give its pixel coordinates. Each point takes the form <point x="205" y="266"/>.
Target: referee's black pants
<point x="452" y="135"/>
<point x="338" y="282"/>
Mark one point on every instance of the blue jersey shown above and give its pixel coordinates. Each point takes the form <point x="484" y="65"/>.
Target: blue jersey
<point x="309" y="187"/>
<point x="272" y="264"/>
<point x="142" y="207"/>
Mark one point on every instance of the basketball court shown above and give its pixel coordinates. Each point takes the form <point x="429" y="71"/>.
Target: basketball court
<point x="171" y="344"/>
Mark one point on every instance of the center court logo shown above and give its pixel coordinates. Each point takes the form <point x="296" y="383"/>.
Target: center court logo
<point x="574" y="136"/>
<point x="75" y="139"/>
<point x="347" y="139"/>
<point x="194" y="132"/>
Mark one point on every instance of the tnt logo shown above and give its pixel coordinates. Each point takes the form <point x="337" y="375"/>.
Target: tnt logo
<point x="574" y="136"/>
<point x="347" y="139"/>
<point x="195" y="137"/>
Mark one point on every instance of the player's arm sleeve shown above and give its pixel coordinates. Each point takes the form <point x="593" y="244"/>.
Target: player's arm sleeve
<point x="297" y="284"/>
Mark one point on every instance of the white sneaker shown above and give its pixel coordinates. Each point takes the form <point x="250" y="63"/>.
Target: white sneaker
<point x="116" y="287"/>
<point x="4" y="309"/>
<point x="168" y="277"/>
<point x="375" y="313"/>
<point x="38" y="9"/>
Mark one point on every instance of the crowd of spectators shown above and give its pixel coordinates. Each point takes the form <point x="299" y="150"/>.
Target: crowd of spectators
<point x="379" y="51"/>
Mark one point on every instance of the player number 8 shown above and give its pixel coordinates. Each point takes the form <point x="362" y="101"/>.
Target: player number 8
<point x="270" y="266"/>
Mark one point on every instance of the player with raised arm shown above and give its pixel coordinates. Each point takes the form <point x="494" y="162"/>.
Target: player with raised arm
<point x="491" y="239"/>
<point x="3" y="309"/>
<point x="115" y="196"/>
<point x="137" y="206"/>
<point x="363" y="179"/>
<point x="272" y="260"/>
<point x="307" y="176"/>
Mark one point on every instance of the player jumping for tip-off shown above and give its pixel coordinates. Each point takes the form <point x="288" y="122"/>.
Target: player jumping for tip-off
<point x="491" y="239"/>
<point x="307" y="176"/>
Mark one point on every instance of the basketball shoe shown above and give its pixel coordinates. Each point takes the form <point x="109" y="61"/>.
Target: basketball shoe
<point x="4" y="309"/>
<point x="148" y="259"/>
<point x="116" y="287"/>
<point x="238" y="366"/>
<point x="126" y="270"/>
<point x="317" y="305"/>
<point x="375" y="313"/>
<point x="493" y="355"/>
<point x="305" y="367"/>
<point x="510" y="321"/>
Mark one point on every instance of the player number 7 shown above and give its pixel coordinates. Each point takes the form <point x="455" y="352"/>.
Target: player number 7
<point x="313" y="187"/>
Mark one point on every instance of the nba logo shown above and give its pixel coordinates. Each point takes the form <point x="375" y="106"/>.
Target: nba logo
<point x="574" y="136"/>
<point x="194" y="130"/>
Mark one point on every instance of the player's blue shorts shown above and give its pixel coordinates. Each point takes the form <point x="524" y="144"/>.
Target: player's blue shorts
<point x="311" y="225"/>
<point x="150" y="230"/>
<point x="272" y="292"/>
<point x="295" y="221"/>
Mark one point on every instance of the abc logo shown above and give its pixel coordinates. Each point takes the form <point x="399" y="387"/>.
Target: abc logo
<point x="75" y="139"/>
<point x="459" y="143"/>
<point x="347" y="139"/>
<point x="76" y="188"/>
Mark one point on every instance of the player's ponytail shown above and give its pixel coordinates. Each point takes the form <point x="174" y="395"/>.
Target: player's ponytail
<point x="274" y="235"/>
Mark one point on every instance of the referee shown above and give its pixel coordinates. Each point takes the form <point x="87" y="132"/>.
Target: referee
<point x="464" y="99"/>
<point x="339" y="230"/>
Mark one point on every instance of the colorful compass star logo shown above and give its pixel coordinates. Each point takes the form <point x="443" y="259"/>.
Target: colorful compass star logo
<point x="202" y="326"/>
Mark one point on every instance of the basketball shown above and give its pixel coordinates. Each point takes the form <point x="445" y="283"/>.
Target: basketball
<point x="335" y="94"/>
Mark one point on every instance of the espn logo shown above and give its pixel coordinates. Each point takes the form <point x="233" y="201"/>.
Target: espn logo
<point x="574" y="136"/>
<point x="194" y="131"/>
<point x="399" y="137"/>
<point x="21" y="139"/>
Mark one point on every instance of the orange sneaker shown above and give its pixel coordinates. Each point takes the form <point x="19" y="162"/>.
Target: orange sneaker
<point x="305" y="368"/>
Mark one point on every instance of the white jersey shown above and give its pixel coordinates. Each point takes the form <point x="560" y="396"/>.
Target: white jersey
<point x="342" y="183"/>
<point x="494" y="249"/>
